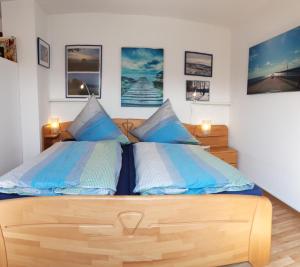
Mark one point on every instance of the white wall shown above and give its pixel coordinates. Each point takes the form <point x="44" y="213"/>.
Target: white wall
<point x="24" y="30"/>
<point x="31" y="22"/>
<point x="116" y="31"/>
<point x="42" y="73"/>
<point x="266" y="128"/>
<point x="10" y="134"/>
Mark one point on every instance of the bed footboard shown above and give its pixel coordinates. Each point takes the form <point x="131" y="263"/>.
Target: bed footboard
<point x="83" y="231"/>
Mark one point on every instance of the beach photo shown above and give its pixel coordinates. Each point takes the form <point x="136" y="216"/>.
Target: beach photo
<point x="198" y="64"/>
<point x="79" y="82"/>
<point x="274" y="65"/>
<point x="197" y="90"/>
<point x="142" y="77"/>
<point x="83" y="70"/>
<point x="83" y="58"/>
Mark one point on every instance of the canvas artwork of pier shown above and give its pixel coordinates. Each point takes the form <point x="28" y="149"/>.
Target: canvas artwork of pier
<point x="142" y="77"/>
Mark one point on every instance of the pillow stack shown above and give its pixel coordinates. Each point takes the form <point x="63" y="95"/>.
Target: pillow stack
<point x="94" y="124"/>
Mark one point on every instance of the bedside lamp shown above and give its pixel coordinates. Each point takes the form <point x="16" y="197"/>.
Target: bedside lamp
<point x="54" y="125"/>
<point x="206" y="127"/>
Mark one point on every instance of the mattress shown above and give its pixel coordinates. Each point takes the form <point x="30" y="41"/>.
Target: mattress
<point x="126" y="182"/>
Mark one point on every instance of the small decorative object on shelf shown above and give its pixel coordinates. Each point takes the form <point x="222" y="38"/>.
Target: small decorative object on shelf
<point x="8" y="48"/>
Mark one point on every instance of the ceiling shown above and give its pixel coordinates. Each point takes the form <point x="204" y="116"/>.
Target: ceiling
<point x="220" y="12"/>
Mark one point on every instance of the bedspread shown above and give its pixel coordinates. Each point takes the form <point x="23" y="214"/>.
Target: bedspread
<point x="68" y="168"/>
<point x="179" y="168"/>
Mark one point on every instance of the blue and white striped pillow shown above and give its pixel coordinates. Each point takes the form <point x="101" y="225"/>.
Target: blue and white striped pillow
<point x="164" y="127"/>
<point x="94" y="124"/>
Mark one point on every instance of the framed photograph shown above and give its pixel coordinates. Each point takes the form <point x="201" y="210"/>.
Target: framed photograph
<point x="83" y="71"/>
<point x="43" y="53"/>
<point x="197" y="90"/>
<point x="274" y="65"/>
<point x="198" y="64"/>
<point x="142" y="77"/>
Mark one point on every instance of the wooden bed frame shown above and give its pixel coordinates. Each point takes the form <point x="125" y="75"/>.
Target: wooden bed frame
<point x="137" y="231"/>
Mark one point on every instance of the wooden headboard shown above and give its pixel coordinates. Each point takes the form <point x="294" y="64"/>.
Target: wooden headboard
<point x="218" y="137"/>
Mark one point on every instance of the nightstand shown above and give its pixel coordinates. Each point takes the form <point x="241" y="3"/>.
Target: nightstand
<point x="227" y="154"/>
<point x="206" y="148"/>
<point x="50" y="139"/>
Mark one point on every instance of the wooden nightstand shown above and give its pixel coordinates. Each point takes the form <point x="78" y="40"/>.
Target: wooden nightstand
<point x="51" y="139"/>
<point x="227" y="154"/>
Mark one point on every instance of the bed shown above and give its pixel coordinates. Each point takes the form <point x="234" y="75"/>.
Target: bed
<point x="178" y="230"/>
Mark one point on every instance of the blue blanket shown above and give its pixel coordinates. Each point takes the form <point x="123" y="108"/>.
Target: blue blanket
<point x="68" y="168"/>
<point x="183" y="169"/>
<point x="126" y="183"/>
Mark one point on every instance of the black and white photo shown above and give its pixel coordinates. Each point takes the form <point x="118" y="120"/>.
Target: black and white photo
<point x="197" y="90"/>
<point x="198" y="64"/>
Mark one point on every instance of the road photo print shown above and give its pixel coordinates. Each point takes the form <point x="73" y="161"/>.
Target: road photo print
<point x="274" y="65"/>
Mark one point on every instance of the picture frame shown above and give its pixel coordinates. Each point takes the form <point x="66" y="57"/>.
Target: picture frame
<point x="197" y="91"/>
<point x="274" y="65"/>
<point x="198" y="64"/>
<point x="83" y="65"/>
<point x="142" y="76"/>
<point x="43" y="53"/>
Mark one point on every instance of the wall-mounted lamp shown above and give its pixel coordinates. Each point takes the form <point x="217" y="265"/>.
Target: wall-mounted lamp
<point x="206" y="127"/>
<point x="54" y="125"/>
<point x="82" y="86"/>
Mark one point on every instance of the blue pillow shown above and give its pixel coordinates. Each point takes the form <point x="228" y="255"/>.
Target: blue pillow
<point x="94" y="124"/>
<point x="164" y="127"/>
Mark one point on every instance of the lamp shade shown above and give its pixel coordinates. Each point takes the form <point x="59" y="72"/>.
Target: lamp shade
<point x="54" y="125"/>
<point x="206" y="127"/>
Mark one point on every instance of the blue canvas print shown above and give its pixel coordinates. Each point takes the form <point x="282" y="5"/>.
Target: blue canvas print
<point x="274" y="65"/>
<point x="142" y="77"/>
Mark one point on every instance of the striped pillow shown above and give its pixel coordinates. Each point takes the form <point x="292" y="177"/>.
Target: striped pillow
<point x="94" y="124"/>
<point x="164" y="127"/>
